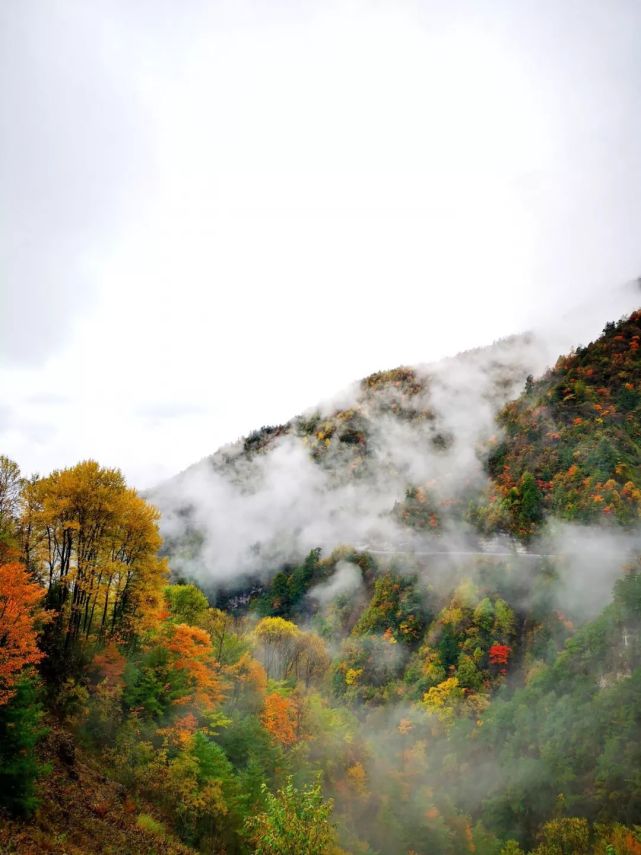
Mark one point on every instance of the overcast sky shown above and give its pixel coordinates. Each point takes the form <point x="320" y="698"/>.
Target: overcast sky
<point x="215" y="214"/>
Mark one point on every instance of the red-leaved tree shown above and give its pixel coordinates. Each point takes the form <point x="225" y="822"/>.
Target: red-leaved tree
<point x="500" y="656"/>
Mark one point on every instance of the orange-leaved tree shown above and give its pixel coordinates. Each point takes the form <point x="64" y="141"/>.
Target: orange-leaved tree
<point x="192" y="653"/>
<point x="280" y="718"/>
<point x="21" y="615"/>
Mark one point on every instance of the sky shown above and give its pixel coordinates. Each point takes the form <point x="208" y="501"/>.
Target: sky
<point x="214" y="215"/>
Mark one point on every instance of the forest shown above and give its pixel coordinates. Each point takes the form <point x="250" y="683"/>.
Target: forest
<point x="343" y="698"/>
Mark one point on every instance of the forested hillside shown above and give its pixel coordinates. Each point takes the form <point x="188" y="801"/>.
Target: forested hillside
<point x="570" y="444"/>
<point x="365" y="631"/>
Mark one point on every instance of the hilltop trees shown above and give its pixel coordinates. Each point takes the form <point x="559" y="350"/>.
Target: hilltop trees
<point x="571" y="442"/>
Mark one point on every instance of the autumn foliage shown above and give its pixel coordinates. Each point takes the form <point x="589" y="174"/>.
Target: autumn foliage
<point x="21" y="614"/>
<point x="570" y="442"/>
<point x="279" y="718"/>
<point x="192" y="654"/>
<point x="215" y="709"/>
<point x="500" y="654"/>
<point x="93" y="544"/>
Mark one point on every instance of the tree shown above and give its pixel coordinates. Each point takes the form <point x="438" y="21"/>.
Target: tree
<point x="21" y="614"/>
<point x="20" y="732"/>
<point x="311" y="660"/>
<point x="444" y="700"/>
<point x="93" y="544"/>
<point x="192" y="654"/>
<point x="499" y="654"/>
<point x="288" y="588"/>
<point x="178" y="670"/>
<point x="10" y="490"/>
<point x="531" y="504"/>
<point x="278" y="645"/>
<point x="104" y="709"/>
<point x="564" y="837"/>
<point x="280" y="718"/>
<point x="484" y="615"/>
<point x="395" y="605"/>
<point x="512" y="848"/>
<point x="229" y="645"/>
<point x="503" y="620"/>
<point x="294" y="822"/>
<point x="187" y="604"/>
<point x="196" y="786"/>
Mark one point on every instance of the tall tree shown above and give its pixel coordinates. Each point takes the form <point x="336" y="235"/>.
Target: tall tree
<point x="93" y="543"/>
<point x="20" y="731"/>
<point x="277" y="642"/>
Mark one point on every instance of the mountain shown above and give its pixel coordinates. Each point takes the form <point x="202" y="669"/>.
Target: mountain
<point x="394" y="459"/>
<point x="430" y="605"/>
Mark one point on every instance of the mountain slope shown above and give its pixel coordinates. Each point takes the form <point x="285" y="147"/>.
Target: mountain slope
<point x="571" y="443"/>
<point x="397" y="454"/>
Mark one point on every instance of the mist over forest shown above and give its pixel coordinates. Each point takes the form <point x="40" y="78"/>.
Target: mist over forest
<point x="407" y="620"/>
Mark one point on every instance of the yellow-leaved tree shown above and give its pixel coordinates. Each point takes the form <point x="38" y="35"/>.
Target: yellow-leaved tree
<point x="93" y="544"/>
